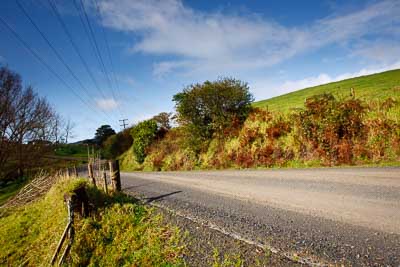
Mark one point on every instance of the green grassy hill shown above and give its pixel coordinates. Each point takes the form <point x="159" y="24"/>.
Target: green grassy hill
<point x="372" y="88"/>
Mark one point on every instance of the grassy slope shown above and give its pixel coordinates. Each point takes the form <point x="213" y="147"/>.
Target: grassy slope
<point x="9" y="191"/>
<point x="122" y="232"/>
<point x="375" y="87"/>
<point x="71" y="150"/>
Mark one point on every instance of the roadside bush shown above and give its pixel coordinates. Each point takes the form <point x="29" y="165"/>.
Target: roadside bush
<point x="331" y="127"/>
<point x="326" y="132"/>
<point x="117" y="144"/>
<point x="171" y="152"/>
<point x="143" y="134"/>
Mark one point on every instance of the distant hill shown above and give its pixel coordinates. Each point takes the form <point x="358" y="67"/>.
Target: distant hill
<point x="372" y="88"/>
<point x="84" y="142"/>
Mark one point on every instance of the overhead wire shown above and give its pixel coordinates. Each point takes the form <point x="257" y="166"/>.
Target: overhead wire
<point x="52" y="47"/>
<point x="85" y="21"/>
<point x="44" y="63"/>
<point x="108" y="51"/>
<point x="57" y="14"/>
<point x="97" y="50"/>
<point x="53" y="6"/>
<point x="56" y="53"/>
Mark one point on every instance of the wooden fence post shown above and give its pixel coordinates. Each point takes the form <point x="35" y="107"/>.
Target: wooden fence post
<point x="67" y="173"/>
<point x="115" y="176"/>
<point x="91" y="174"/>
<point x="105" y="182"/>
<point x="75" y="171"/>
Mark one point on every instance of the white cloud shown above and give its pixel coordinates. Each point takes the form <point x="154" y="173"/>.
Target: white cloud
<point x="209" y="42"/>
<point x="161" y="68"/>
<point x="382" y="51"/>
<point x="107" y="104"/>
<point x="264" y="89"/>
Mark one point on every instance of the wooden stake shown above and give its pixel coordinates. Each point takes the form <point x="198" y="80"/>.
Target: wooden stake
<point x="75" y="171"/>
<point x="91" y="175"/>
<point x="115" y="176"/>
<point x="105" y="182"/>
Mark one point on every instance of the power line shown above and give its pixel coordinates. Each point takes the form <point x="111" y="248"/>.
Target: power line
<point x="43" y="62"/>
<point x="53" y="5"/>
<point x="56" y="52"/>
<point x="52" y="47"/>
<point x="92" y="38"/>
<point x="108" y="51"/>
<point x="99" y="53"/>
<point x="97" y="47"/>
<point x="85" y="27"/>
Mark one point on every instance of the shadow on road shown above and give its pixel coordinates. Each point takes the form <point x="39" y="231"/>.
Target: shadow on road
<point x="136" y="186"/>
<point x="151" y="199"/>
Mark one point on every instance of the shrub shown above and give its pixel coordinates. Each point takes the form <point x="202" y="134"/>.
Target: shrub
<point x="143" y="134"/>
<point x="327" y="131"/>
<point x="332" y="127"/>
<point x="117" y="144"/>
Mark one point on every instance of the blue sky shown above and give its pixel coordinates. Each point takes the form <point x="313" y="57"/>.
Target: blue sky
<point x="159" y="47"/>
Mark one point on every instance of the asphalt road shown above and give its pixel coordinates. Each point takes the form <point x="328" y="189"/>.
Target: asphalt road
<point x="336" y="215"/>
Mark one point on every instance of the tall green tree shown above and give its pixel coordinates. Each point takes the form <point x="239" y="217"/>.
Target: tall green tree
<point x="102" y="133"/>
<point x="210" y="107"/>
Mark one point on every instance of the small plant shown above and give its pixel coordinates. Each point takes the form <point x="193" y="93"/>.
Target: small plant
<point x="226" y="260"/>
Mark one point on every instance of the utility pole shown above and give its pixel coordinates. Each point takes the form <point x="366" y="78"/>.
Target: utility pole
<point x="124" y="124"/>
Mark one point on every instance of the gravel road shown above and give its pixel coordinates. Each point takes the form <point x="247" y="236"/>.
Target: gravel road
<point x="349" y="216"/>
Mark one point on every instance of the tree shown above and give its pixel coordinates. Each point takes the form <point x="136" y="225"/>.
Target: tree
<point x="27" y="124"/>
<point x="58" y="124"/>
<point x="143" y="134"/>
<point x="117" y="144"/>
<point x="102" y="133"/>
<point x="68" y="130"/>
<point x="210" y="107"/>
<point x="163" y="120"/>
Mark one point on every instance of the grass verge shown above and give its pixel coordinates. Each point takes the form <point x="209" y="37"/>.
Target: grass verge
<point x="119" y="232"/>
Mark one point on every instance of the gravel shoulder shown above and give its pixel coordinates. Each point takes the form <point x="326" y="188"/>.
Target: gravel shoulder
<point x="295" y="233"/>
<point x="206" y="246"/>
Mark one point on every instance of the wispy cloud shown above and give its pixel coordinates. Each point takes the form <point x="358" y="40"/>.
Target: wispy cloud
<point x="380" y="51"/>
<point x="214" y="41"/>
<point x="107" y="104"/>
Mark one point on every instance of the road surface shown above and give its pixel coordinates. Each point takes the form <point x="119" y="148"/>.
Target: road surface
<point x="335" y="215"/>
